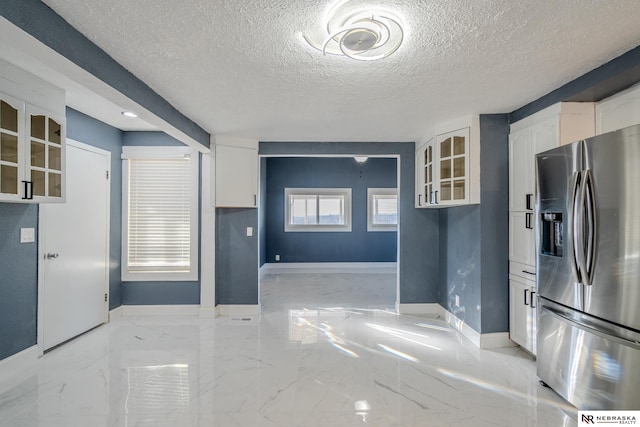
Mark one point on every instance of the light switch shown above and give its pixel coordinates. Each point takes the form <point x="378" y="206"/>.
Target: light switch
<point x="27" y="235"/>
<point x="249" y="231"/>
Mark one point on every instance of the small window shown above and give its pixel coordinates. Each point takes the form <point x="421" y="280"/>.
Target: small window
<point x="382" y="209"/>
<point x="159" y="214"/>
<point x="317" y="209"/>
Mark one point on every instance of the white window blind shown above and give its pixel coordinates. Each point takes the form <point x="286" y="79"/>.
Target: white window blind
<point x="159" y="218"/>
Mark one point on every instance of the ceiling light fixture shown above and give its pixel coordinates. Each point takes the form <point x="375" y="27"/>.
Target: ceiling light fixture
<point x="366" y="35"/>
<point x="129" y="114"/>
<point x="360" y="159"/>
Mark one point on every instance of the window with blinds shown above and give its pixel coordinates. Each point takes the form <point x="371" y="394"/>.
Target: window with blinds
<point x="160" y="218"/>
<point x="382" y="210"/>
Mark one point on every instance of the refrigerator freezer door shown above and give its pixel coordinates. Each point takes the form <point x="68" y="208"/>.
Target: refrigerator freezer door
<point x="593" y="364"/>
<point x="613" y="161"/>
<point x="558" y="179"/>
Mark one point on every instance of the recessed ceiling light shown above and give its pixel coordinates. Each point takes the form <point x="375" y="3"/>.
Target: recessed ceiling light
<point x="130" y="114"/>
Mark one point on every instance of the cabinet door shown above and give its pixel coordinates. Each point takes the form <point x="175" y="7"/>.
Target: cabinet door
<point x="11" y="148"/>
<point x="420" y="201"/>
<point x="522" y="238"/>
<point x="236" y="176"/>
<point x="518" y="306"/>
<point x="522" y="313"/>
<point x="45" y="153"/>
<point x="452" y="164"/>
<point x="520" y="171"/>
<point x="544" y="136"/>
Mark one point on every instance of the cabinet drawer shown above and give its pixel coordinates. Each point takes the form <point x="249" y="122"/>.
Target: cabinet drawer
<point x="524" y="271"/>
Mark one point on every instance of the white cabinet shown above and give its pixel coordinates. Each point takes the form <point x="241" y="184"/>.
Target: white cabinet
<point x="32" y="138"/>
<point x="522" y="312"/>
<point x="618" y="111"/>
<point x="447" y="169"/>
<point x="521" y="238"/>
<point x="559" y="124"/>
<point x="236" y="172"/>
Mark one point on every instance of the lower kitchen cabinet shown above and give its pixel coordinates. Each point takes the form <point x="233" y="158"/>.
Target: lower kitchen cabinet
<point x="522" y="312"/>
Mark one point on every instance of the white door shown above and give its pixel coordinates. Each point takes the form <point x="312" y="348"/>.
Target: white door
<point x="74" y="242"/>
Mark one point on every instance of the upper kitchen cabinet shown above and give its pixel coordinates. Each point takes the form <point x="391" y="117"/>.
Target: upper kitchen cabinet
<point x="236" y="172"/>
<point x="559" y="124"/>
<point x="32" y="138"/>
<point x="618" y="111"/>
<point x="447" y="167"/>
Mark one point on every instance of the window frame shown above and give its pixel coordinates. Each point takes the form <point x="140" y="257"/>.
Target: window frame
<point x="371" y="192"/>
<point x="332" y="228"/>
<point x="137" y="152"/>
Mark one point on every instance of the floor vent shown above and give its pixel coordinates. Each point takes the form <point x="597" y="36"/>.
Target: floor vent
<point x="241" y="319"/>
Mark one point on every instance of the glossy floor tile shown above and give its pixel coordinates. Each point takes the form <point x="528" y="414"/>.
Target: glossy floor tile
<point x="328" y="350"/>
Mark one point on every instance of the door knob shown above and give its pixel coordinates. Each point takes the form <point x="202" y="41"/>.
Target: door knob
<point x="51" y="255"/>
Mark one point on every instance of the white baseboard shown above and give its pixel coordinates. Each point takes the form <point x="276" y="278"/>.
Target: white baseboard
<point x="115" y="313"/>
<point x="19" y="362"/>
<point x="160" y="310"/>
<point x="419" y="309"/>
<point x="484" y="341"/>
<point x="328" y="267"/>
<point x="238" y="309"/>
<point x="208" y="312"/>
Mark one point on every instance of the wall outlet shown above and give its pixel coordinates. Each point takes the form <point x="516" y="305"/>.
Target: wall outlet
<point x="457" y="300"/>
<point x="277" y="257"/>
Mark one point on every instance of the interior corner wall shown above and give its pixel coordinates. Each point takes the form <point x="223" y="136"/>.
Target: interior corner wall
<point x="419" y="228"/>
<point x="358" y="245"/>
<point x="18" y="279"/>
<point x="474" y="240"/>
<point x="494" y="222"/>
<point x="90" y="131"/>
<point x="158" y="292"/>
<point x="262" y="220"/>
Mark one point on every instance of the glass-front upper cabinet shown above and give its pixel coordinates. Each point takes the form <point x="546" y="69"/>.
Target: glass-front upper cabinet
<point x="11" y="153"/>
<point x="32" y="153"/>
<point x="453" y="150"/>
<point x="46" y="154"/>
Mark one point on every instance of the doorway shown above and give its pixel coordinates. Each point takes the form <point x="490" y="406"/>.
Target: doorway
<point x="73" y="243"/>
<point x="358" y="251"/>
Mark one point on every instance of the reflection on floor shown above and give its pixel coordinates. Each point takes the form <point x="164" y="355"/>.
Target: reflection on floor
<point x="328" y="350"/>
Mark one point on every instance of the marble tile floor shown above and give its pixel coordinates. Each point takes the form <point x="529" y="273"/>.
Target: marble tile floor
<point x="328" y="350"/>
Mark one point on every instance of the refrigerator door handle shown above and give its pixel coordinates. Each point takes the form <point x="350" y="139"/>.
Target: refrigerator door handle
<point x="590" y="211"/>
<point x="575" y="226"/>
<point x="591" y="329"/>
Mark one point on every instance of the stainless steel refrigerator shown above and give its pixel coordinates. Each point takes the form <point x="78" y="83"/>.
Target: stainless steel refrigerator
<point x="588" y="270"/>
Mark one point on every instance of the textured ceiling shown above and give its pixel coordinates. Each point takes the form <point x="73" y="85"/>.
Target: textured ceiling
<point x="242" y="67"/>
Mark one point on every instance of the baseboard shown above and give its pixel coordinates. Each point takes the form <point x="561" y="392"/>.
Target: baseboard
<point x="484" y="341"/>
<point x="419" y="309"/>
<point x="208" y="312"/>
<point x="115" y="313"/>
<point x="160" y="310"/>
<point x="328" y="267"/>
<point x="19" y="362"/>
<point x="238" y="309"/>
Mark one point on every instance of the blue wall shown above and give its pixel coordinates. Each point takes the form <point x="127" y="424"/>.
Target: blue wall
<point x="359" y="245"/>
<point x="18" y="279"/>
<point x="474" y="240"/>
<point x="90" y="131"/>
<point x="419" y="228"/>
<point x="159" y="292"/>
<point x="236" y="256"/>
